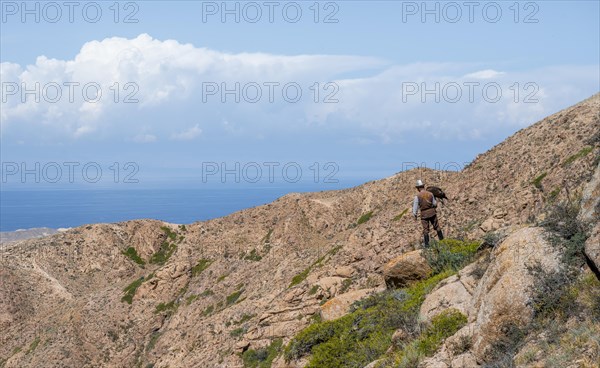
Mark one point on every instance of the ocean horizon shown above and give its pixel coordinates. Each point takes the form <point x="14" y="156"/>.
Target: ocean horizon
<point x="66" y="208"/>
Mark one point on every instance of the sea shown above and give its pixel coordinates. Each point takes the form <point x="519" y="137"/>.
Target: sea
<point x="26" y="209"/>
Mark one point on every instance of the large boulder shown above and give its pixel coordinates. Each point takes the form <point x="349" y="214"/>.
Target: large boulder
<point x="501" y="297"/>
<point x="491" y="303"/>
<point x="592" y="248"/>
<point x="465" y="360"/>
<point x="590" y="199"/>
<point x="340" y="305"/>
<point x="491" y="224"/>
<point x="590" y="213"/>
<point x="453" y="292"/>
<point x="406" y="269"/>
<point x="331" y="285"/>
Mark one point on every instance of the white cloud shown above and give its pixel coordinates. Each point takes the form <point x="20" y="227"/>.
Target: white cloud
<point x="142" y="73"/>
<point x="166" y="77"/>
<point x="484" y="74"/>
<point x="188" y="134"/>
<point x="403" y="100"/>
<point x="144" y="138"/>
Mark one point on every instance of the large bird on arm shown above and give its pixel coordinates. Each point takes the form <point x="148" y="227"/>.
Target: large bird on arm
<point x="438" y="193"/>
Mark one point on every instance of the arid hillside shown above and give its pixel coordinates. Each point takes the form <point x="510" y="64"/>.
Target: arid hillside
<point x="146" y="293"/>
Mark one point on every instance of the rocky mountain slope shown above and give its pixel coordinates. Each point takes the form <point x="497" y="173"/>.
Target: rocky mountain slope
<point x="146" y="293"/>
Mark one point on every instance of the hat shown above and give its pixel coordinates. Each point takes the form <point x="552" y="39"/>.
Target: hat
<point x="420" y="184"/>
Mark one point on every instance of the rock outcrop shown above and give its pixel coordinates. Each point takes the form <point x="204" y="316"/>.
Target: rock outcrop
<point x="501" y="297"/>
<point x="340" y="305"/>
<point x="406" y="269"/>
<point x="455" y="292"/>
<point x="590" y="214"/>
<point x="498" y="300"/>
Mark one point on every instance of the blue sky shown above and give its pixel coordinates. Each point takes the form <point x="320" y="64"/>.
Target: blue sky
<point x="371" y="117"/>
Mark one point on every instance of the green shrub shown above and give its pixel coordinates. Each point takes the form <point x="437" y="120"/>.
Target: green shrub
<point x="202" y="265"/>
<point x="567" y="233"/>
<point x="207" y="292"/>
<point x="131" y="289"/>
<point x="233" y="297"/>
<point x="262" y="358"/>
<point x="332" y="252"/>
<point x="237" y="332"/>
<point x="470" y="225"/>
<point x="561" y="219"/>
<point x="449" y="254"/>
<point x="208" y="310"/>
<point x="594" y="306"/>
<point x="252" y="256"/>
<point x="463" y="344"/>
<point x="302" y="275"/>
<point x="573" y="255"/>
<point x="442" y="326"/>
<point x="590" y="294"/>
<point x="537" y="182"/>
<point x="345" y="285"/>
<point x="364" y="218"/>
<point x="169" y="307"/>
<point x="313" y="335"/>
<point x="338" y="351"/>
<point x="398" y="217"/>
<point x="313" y="290"/>
<point x="153" y="340"/>
<point x="34" y="344"/>
<point x="114" y="336"/>
<point x="267" y="238"/>
<point x="551" y="293"/>
<point x="365" y="333"/>
<point x="428" y="342"/>
<point x="244" y="318"/>
<point x="163" y="254"/>
<point x="132" y="254"/>
<point x="480" y="268"/>
<point x="583" y="152"/>
<point x="190" y="299"/>
<point x="491" y="239"/>
<point x="503" y="350"/>
<point x="316" y="318"/>
<point x="553" y="194"/>
<point x="561" y="294"/>
<point x="182" y="228"/>
<point x="170" y="234"/>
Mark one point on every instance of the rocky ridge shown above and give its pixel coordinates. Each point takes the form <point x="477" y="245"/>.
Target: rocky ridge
<point x="148" y="293"/>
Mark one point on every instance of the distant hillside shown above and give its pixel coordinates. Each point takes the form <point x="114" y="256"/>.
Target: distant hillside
<point x="8" y="236"/>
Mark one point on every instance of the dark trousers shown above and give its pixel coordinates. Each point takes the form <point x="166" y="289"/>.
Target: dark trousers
<point x="426" y="221"/>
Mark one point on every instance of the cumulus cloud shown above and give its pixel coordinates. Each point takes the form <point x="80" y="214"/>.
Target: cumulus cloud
<point x="121" y="87"/>
<point x="144" y="138"/>
<point x="484" y="74"/>
<point x="446" y="102"/>
<point x="188" y="134"/>
<point x="118" y="74"/>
